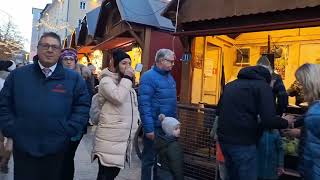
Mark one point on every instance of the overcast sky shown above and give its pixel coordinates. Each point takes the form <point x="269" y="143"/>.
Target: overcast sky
<point x="21" y="13"/>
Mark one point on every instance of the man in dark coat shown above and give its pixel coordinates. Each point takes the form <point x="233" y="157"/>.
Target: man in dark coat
<point x="245" y="108"/>
<point x="42" y="106"/>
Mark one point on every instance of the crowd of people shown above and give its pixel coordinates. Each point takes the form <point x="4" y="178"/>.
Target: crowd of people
<point x="250" y="120"/>
<point x="45" y="108"/>
<point x="44" y="113"/>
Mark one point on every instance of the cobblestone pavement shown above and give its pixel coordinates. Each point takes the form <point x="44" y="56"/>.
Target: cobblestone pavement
<point x="85" y="170"/>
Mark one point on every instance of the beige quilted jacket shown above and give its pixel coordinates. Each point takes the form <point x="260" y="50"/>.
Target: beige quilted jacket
<point x="118" y="115"/>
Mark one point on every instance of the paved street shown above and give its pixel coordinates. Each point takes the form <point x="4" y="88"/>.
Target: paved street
<point x="85" y="170"/>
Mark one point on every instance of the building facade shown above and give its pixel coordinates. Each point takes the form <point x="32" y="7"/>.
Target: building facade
<point x="63" y="16"/>
<point x="35" y="32"/>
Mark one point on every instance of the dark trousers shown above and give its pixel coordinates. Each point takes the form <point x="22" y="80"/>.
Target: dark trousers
<point x="27" y="167"/>
<point x="68" y="165"/>
<point x="107" y="173"/>
<point x="148" y="169"/>
<point x="163" y="174"/>
<point x="240" y="161"/>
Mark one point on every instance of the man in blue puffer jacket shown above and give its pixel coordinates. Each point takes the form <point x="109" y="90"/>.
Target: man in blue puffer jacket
<point x="157" y="95"/>
<point x="42" y="106"/>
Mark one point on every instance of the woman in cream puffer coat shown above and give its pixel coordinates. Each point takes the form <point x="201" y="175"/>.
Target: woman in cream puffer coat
<point x="118" y="118"/>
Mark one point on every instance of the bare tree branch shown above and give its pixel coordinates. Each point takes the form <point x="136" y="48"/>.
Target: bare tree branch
<point x="11" y="41"/>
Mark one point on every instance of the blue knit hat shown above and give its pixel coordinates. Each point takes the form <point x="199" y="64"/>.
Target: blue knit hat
<point x="168" y="124"/>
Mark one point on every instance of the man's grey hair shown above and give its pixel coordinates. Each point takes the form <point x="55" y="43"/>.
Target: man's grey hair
<point x="164" y="53"/>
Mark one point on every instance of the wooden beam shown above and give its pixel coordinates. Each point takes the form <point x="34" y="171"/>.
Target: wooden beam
<point x="146" y="50"/>
<point x="117" y="30"/>
<point x="106" y="59"/>
<point x="138" y="39"/>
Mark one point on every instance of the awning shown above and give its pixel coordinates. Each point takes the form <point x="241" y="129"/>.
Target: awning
<point x="200" y="10"/>
<point x="235" y="30"/>
<point x="150" y="14"/>
<point x="65" y="43"/>
<point x="92" y="19"/>
<point x="113" y="43"/>
<point x="72" y="43"/>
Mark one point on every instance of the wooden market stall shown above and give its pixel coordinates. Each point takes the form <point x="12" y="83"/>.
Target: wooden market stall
<point x="223" y="36"/>
<point x="139" y="31"/>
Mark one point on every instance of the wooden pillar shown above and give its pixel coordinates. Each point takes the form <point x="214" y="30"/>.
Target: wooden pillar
<point x="146" y="49"/>
<point x="186" y="72"/>
<point x="105" y="59"/>
<point x="186" y="80"/>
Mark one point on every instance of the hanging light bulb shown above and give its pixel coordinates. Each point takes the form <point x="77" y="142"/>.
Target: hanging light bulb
<point x="136" y="47"/>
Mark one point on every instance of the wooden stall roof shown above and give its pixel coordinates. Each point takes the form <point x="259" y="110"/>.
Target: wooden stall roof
<point x="85" y="49"/>
<point x="113" y="43"/>
<point x="201" y="10"/>
<point x="131" y="11"/>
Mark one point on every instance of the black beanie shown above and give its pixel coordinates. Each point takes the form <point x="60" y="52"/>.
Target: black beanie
<point x="119" y="55"/>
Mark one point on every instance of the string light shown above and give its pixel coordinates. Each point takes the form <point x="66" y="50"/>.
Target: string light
<point x="46" y="22"/>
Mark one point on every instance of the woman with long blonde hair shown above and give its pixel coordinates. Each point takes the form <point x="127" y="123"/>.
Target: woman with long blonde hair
<point x="308" y="75"/>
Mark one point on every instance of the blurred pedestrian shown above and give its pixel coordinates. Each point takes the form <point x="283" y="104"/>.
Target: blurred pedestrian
<point x="5" y="143"/>
<point x="308" y="77"/>
<point x="94" y="76"/>
<point x="5" y="68"/>
<point x="69" y="60"/>
<point x="118" y="119"/>
<point x="295" y="90"/>
<point x="42" y="106"/>
<point x="270" y="152"/>
<point x="223" y="174"/>
<point x="279" y="91"/>
<point x="270" y="155"/>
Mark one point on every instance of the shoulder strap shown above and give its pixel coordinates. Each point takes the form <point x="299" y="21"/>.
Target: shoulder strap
<point x="131" y="115"/>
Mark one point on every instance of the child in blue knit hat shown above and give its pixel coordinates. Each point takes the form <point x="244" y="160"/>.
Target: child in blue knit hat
<point x="170" y="154"/>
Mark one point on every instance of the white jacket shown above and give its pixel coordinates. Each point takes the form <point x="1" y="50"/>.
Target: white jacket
<point x="118" y="115"/>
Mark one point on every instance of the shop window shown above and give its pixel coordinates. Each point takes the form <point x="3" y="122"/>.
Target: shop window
<point x="243" y="56"/>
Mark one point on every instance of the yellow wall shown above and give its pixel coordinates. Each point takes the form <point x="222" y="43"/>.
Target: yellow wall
<point x="303" y="45"/>
<point x="135" y="55"/>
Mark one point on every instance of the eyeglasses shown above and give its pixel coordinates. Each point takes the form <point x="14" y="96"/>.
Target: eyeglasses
<point x="47" y="47"/>
<point x="169" y="61"/>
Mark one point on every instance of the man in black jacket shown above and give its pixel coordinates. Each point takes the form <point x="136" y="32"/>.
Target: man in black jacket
<point x="243" y="102"/>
